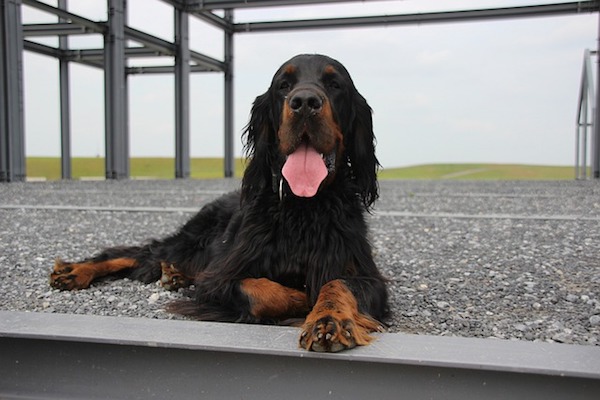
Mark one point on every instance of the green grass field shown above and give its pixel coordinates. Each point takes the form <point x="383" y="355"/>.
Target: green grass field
<point x="156" y="167"/>
<point x="207" y="168"/>
<point x="480" y="172"/>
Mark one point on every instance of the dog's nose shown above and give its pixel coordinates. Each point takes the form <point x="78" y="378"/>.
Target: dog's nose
<point x="306" y="100"/>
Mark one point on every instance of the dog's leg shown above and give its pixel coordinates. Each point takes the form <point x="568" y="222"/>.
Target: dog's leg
<point x="271" y="300"/>
<point x="251" y="300"/>
<point x="71" y="276"/>
<point x="335" y="323"/>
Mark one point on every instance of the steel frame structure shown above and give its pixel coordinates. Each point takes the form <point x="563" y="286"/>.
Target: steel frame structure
<point x="113" y="60"/>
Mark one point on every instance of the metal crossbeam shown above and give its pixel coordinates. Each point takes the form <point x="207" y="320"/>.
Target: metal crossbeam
<point x="57" y="356"/>
<point x="92" y="57"/>
<point x="74" y="18"/>
<point x="169" y="48"/>
<point x="63" y="28"/>
<point x="214" y="20"/>
<point x="42" y="49"/>
<point x="232" y="4"/>
<point x="162" y="69"/>
<point x="423" y="18"/>
<point x="98" y="54"/>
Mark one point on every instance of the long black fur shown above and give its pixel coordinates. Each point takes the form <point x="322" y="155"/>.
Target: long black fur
<point x="301" y="243"/>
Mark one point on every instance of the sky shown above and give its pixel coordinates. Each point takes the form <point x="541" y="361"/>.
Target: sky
<point x="493" y="92"/>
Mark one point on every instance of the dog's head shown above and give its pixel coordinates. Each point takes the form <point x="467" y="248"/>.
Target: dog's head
<point x="310" y="128"/>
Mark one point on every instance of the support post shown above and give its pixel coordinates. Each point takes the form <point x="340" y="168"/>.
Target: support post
<point x="65" y="103"/>
<point x="596" y="125"/>
<point x="12" y="132"/>
<point x="182" y="94"/>
<point x="229" y="164"/>
<point x="115" y="97"/>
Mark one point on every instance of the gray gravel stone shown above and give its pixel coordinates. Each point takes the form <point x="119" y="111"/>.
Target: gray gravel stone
<point x="508" y="260"/>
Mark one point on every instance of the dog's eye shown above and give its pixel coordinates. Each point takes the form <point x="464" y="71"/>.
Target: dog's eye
<point x="333" y="84"/>
<point x="284" y="85"/>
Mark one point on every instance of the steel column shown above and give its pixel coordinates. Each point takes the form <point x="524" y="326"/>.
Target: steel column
<point x="585" y="122"/>
<point x="229" y="164"/>
<point x="117" y="139"/>
<point x="12" y="133"/>
<point x="182" y="94"/>
<point x="65" y="103"/>
<point x="596" y="125"/>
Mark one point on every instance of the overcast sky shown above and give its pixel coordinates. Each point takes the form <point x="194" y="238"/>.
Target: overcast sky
<point x="500" y="92"/>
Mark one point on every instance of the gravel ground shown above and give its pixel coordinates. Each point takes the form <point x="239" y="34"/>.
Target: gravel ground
<point x="508" y="260"/>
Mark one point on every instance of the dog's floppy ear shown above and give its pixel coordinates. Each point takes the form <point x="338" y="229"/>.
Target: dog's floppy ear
<point x="259" y="134"/>
<point x="360" y="148"/>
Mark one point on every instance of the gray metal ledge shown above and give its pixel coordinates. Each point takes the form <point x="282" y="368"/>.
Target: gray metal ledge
<point x="57" y="356"/>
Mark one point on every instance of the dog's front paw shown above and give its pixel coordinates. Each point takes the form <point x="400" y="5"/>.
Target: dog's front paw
<point x="328" y="335"/>
<point x="335" y="323"/>
<point x="331" y="334"/>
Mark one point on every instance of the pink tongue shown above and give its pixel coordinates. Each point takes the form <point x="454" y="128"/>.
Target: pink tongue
<point x="304" y="171"/>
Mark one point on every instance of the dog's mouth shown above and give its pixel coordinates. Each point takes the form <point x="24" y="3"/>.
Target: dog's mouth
<point x="305" y="169"/>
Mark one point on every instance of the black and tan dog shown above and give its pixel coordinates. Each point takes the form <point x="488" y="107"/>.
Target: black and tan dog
<point x="292" y="243"/>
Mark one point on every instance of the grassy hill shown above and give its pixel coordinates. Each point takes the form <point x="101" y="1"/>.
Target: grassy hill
<point x="479" y="172"/>
<point x="142" y="167"/>
<point x="207" y="168"/>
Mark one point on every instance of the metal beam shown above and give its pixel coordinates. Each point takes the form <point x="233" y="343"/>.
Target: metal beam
<point x="182" y="95"/>
<point x="176" y="3"/>
<point x="424" y="18"/>
<point x="64" y="28"/>
<point x="65" y="104"/>
<point x="12" y="132"/>
<point x="117" y="138"/>
<point x="214" y="20"/>
<point x="169" y="48"/>
<point x="58" y="356"/>
<point x="595" y="161"/>
<point x="97" y="55"/>
<point x="229" y="158"/>
<point x="211" y="63"/>
<point x="232" y="4"/>
<point x="69" y="55"/>
<point x="95" y="58"/>
<point x="150" y="41"/>
<point x="161" y="69"/>
<point x="42" y="49"/>
<point x="74" y="18"/>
